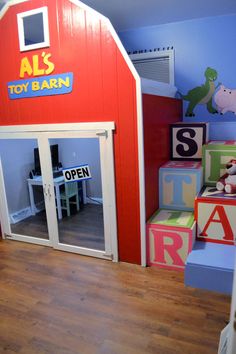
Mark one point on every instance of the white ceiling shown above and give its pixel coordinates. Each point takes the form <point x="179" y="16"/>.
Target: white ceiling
<point x="127" y="14"/>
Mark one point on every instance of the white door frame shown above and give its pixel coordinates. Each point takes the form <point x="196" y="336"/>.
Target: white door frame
<point x="101" y="130"/>
<point x="231" y="342"/>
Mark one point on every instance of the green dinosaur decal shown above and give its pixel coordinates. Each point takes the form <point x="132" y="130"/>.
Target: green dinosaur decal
<point x="202" y="94"/>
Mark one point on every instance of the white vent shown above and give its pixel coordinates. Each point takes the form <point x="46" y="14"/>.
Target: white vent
<point x="25" y="213"/>
<point x="155" y="65"/>
<point x="20" y="215"/>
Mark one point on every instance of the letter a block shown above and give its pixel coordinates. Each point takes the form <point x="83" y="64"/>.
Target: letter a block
<point x="215" y="214"/>
<point x="171" y="235"/>
<point x="187" y="140"/>
<point x="179" y="183"/>
<point x="215" y="156"/>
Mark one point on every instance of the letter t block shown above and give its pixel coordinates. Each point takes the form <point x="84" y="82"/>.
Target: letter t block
<point x="179" y="183"/>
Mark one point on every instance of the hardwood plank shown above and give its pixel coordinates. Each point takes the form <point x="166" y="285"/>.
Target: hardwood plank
<point x="58" y="302"/>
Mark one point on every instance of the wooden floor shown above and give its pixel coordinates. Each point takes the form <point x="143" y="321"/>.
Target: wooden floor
<point x="60" y="303"/>
<point x="84" y="228"/>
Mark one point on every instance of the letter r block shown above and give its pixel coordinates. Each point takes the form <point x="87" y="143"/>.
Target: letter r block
<point x="187" y="140"/>
<point x="215" y="155"/>
<point x="179" y="183"/>
<point x="171" y="235"/>
<point x="215" y="216"/>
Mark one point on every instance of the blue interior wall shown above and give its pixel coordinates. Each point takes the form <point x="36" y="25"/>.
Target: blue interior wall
<point x="198" y="44"/>
<point x="17" y="158"/>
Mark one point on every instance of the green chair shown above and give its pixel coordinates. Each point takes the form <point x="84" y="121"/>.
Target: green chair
<point x="71" y="190"/>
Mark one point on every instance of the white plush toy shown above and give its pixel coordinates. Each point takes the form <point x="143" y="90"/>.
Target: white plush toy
<point x="227" y="182"/>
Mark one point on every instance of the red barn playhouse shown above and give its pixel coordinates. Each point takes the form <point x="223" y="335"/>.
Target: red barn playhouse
<point x="70" y="82"/>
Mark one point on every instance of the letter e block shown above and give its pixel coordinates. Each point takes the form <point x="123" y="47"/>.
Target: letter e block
<point x="215" y="216"/>
<point x="171" y="235"/>
<point x="179" y="183"/>
<point x="215" y="155"/>
<point x="187" y="140"/>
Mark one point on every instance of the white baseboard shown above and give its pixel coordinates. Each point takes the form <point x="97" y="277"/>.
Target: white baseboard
<point x="93" y="200"/>
<point x="39" y="206"/>
<point x="25" y="213"/>
<point x="20" y="215"/>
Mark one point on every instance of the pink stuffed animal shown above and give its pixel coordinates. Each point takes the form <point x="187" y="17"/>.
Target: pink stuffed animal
<point x="227" y="182"/>
<point x="225" y="100"/>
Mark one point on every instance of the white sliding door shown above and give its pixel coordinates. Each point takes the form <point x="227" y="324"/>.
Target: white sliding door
<point x="38" y="205"/>
<point x="22" y="220"/>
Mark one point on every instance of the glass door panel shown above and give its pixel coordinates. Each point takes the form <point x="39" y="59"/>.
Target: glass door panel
<point x="79" y="204"/>
<point x="24" y="188"/>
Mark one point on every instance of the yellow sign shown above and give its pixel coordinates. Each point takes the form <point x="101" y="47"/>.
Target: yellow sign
<point x="39" y="66"/>
<point x="33" y="68"/>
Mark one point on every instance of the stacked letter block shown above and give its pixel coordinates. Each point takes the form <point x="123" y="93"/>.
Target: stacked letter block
<point x="179" y="182"/>
<point x="210" y="266"/>
<point x="215" y="213"/>
<point x="215" y="210"/>
<point x="215" y="156"/>
<point x="171" y="235"/>
<point x="187" y="140"/>
<point x="171" y="230"/>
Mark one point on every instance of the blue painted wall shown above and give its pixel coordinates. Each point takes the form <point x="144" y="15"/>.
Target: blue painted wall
<point x="17" y="158"/>
<point x="198" y="44"/>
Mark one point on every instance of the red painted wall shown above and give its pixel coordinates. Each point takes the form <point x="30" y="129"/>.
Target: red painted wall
<point x="104" y="90"/>
<point x="159" y="112"/>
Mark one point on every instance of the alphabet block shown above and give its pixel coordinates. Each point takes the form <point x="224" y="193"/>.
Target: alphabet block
<point x="215" y="155"/>
<point x="179" y="183"/>
<point x="170" y="235"/>
<point x="215" y="216"/>
<point x="187" y="140"/>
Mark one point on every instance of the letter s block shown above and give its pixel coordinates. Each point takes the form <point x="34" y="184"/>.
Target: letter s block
<point x="187" y="140"/>
<point x="215" y="155"/>
<point x="171" y="235"/>
<point x="179" y="183"/>
<point x="215" y="216"/>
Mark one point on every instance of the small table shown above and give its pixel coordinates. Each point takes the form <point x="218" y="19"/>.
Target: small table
<point x="58" y="181"/>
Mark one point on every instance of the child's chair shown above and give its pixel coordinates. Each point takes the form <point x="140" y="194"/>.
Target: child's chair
<point x="71" y="190"/>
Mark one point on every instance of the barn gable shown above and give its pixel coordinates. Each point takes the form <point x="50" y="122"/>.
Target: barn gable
<point x="103" y="86"/>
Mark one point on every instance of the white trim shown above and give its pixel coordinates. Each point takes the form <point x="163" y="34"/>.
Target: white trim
<point x="29" y="239"/>
<point x="5" y="224"/>
<point x="231" y="343"/>
<point x="75" y="2"/>
<point x="109" y="205"/>
<point x="224" y="337"/>
<point x="58" y="127"/>
<point x="21" y="33"/>
<point x="141" y="175"/>
<point x="83" y="251"/>
<point x="8" y="5"/>
<point x="112" y="196"/>
<point x="140" y="143"/>
<point x="88" y="8"/>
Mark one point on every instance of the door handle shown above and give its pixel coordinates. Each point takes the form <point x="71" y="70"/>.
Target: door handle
<point x="49" y="191"/>
<point x="45" y="190"/>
